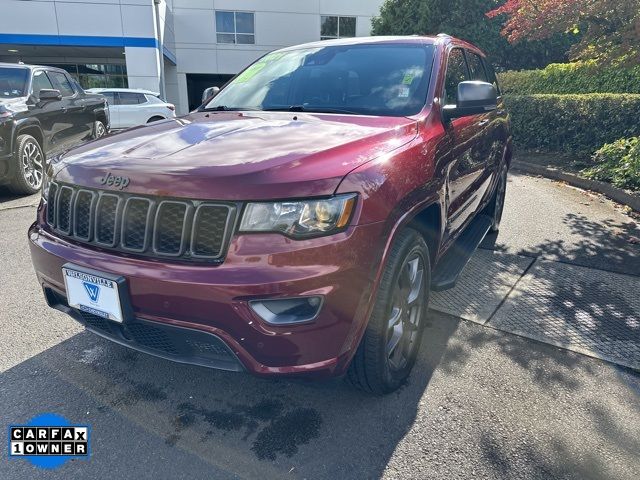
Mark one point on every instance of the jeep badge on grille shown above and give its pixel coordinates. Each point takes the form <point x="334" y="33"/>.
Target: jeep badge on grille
<point x="113" y="181"/>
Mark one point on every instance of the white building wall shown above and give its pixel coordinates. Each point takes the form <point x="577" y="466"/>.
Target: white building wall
<point x="278" y="24"/>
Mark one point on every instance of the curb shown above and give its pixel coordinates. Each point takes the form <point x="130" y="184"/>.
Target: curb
<point x="614" y="193"/>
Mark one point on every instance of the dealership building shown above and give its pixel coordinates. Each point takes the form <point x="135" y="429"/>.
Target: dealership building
<point x="175" y="47"/>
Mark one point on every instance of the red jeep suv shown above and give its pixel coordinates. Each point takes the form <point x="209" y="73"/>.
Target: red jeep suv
<point x="296" y="222"/>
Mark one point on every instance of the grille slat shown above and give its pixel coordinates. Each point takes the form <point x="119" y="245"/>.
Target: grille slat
<point x="106" y="219"/>
<point x="170" y="228"/>
<point x="51" y="200"/>
<point x="83" y="214"/>
<point x="184" y="229"/>
<point x="208" y="238"/>
<point x="135" y="222"/>
<point x="63" y="213"/>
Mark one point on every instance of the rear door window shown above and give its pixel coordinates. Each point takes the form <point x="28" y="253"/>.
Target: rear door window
<point x="491" y="75"/>
<point x="456" y="72"/>
<point x="111" y="97"/>
<point x="129" y="98"/>
<point x="61" y="82"/>
<point x="476" y="67"/>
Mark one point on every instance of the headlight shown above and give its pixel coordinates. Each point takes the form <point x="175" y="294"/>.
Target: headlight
<point x="300" y="219"/>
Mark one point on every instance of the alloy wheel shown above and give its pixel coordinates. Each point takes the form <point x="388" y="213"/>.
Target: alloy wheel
<point x="406" y="313"/>
<point x="100" y="130"/>
<point x="500" y="193"/>
<point x="32" y="165"/>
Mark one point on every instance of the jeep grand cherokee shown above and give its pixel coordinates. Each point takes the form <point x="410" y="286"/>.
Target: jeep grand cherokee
<point x="294" y="224"/>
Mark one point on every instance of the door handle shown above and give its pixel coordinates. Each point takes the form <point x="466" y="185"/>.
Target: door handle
<point x="482" y="123"/>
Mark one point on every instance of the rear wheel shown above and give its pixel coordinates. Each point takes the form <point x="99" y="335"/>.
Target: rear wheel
<point x="30" y="162"/>
<point x="390" y="344"/>
<point x="99" y="130"/>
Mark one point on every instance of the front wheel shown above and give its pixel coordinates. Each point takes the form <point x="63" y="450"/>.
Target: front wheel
<point x="390" y="344"/>
<point x="496" y="205"/>
<point x="30" y="161"/>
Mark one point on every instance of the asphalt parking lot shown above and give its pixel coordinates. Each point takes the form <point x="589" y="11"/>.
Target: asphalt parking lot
<point x="481" y="402"/>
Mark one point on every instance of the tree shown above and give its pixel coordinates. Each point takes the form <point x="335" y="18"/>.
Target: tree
<point x="467" y="19"/>
<point x="610" y="28"/>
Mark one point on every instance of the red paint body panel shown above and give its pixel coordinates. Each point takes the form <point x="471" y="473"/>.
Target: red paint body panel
<point x="397" y="166"/>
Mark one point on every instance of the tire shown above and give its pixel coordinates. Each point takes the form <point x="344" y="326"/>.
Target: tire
<point x="376" y="367"/>
<point x="99" y="129"/>
<point x="30" y="163"/>
<point x="155" y="119"/>
<point x="496" y="206"/>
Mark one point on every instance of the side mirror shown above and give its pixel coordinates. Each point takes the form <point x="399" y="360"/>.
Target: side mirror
<point x="49" y="95"/>
<point x="474" y="97"/>
<point x="209" y="92"/>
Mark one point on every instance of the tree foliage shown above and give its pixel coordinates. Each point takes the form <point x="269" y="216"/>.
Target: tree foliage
<point x="610" y="29"/>
<point x="467" y="19"/>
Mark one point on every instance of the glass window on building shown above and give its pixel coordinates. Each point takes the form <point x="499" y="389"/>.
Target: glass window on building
<point x="235" y="27"/>
<point x="97" y="75"/>
<point x="337" y="27"/>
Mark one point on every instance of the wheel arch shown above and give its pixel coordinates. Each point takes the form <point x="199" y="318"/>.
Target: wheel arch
<point x="428" y="222"/>
<point x="33" y="129"/>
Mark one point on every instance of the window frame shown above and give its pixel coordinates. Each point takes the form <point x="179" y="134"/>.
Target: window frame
<point x="235" y="27"/>
<point x="482" y="65"/>
<point x="338" y="36"/>
<point x="50" y="72"/>
<point x="446" y="71"/>
<point x="134" y="94"/>
<point x="492" y="76"/>
<point x="32" y="79"/>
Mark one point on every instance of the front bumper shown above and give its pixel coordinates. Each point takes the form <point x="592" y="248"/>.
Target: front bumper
<point x="182" y="300"/>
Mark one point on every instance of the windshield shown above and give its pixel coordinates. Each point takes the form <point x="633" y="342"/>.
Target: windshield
<point x="13" y="82"/>
<point x="382" y="79"/>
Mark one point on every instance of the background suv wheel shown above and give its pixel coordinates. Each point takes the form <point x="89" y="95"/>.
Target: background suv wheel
<point x="391" y="342"/>
<point x="30" y="162"/>
<point x="99" y="130"/>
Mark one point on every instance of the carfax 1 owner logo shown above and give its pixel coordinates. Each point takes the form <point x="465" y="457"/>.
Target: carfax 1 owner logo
<point x="49" y="440"/>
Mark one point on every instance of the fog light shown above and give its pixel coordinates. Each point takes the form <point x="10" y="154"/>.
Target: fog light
<point x="286" y="311"/>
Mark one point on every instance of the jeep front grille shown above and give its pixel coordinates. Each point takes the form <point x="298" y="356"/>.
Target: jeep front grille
<point x="150" y="226"/>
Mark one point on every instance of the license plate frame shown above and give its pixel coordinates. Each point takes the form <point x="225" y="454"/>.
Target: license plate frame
<point x="95" y="292"/>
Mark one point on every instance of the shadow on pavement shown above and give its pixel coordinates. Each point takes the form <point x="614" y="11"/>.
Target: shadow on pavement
<point x="231" y="422"/>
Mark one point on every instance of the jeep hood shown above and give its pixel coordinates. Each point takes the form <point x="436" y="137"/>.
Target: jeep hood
<point x="237" y="155"/>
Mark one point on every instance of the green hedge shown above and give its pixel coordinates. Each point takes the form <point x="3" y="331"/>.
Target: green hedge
<point x="578" y="77"/>
<point x="617" y="163"/>
<point x="578" y="124"/>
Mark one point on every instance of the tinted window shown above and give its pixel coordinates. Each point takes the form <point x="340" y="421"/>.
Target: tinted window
<point x="456" y="73"/>
<point x="491" y="75"/>
<point x="476" y="67"/>
<point x="337" y="27"/>
<point x="235" y="27"/>
<point x="153" y="99"/>
<point x="366" y="79"/>
<point x="127" y="98"/>
<point x="60" y="82"/>
<point x="40" y="81"/>
<point x="111" y="97"/>
<point x="13" y="82"/>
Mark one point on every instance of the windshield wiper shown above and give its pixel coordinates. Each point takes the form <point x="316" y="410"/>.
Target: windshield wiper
<point x="311" y="109"/>
<point x="224" y="108"/>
